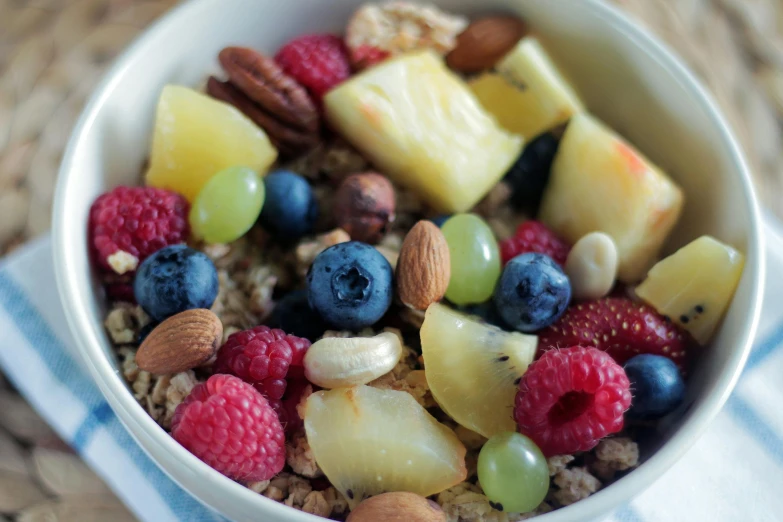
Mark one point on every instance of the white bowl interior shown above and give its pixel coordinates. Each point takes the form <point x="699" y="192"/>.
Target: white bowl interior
<point x="624" y="76"/>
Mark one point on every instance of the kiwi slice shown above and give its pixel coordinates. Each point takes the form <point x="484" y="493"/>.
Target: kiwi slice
<point x="473" y="369"/>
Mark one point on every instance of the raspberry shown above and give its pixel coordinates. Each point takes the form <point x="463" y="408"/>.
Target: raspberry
<point x="319" y="62"/>
<point x="620" y="327"/>
<point x="533" y="236"/>
<point x="365" y="56"/>
<point x="262" y="357"/>
<point x="286" y="408"/>
<point x="570" y="399"/>
<point x="130" y="223"/>
<point x="232" y="428"/>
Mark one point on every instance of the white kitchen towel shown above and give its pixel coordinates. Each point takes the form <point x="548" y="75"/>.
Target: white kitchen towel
<point x="734" y="473"/>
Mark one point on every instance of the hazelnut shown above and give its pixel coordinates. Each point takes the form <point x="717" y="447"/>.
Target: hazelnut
<point x="397" y="507"/>
<point x="364" y="206"/>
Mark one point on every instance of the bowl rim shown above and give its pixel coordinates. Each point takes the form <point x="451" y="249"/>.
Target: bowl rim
<point x="123" y="403"/>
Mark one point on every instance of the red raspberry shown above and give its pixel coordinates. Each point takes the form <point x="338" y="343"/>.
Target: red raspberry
<point x="318" y="61"/>
<point x="620" y="327"/>
<point x="570" y="399"/>
<point x="533" y="236"/>
<point x="286" y="408"/>
<point x="262" y="357"/>
<point x="130" y="223"/>
<point x="365" y="56"/>
<point x="231" y="427"/>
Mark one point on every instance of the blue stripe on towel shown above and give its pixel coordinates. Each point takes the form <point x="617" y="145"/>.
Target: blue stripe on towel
<point x="40" y="337"/>
<point x="628" y="513"/>
<point x="766" y="347"/>
<point x="756" y="427"/>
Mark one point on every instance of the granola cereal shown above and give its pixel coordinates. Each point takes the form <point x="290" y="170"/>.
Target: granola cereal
<point x="447" y="150"/>
<point x="399" y="27"/>
<point x="300" y="458"/>
<point x="613" y="455"/>
<point x="573" y="485"/>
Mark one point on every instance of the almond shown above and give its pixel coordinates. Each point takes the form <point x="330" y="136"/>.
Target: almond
<point x="424" y="266"/>
<point x="181" y="342"/>
<point x="393" y="507"/>
<point x="485" y="42"/>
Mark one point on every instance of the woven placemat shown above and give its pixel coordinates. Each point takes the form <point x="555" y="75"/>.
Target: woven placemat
<point x="52" y="52"/>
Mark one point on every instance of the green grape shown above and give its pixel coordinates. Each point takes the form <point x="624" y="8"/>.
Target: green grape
<point x="227" y="206"/>
<point x="513" y="472"/>
<point x="475" y="259"/>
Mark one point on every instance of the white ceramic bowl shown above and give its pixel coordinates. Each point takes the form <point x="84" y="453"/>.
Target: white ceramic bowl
<point x="626" y="77"/>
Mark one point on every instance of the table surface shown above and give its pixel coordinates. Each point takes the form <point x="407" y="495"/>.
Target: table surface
<point x="52" y="52"/>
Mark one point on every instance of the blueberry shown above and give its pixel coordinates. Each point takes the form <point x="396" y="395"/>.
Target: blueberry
<point x="350" y="285"/>
<point x="532" y="293"/>
<point x="656" y="385"/>
<point x="290" y="208"/>
<point x="440" y="220"/>
<point x="529" y="175"/>
<point x="294" y="316"/>
<point x="175" y="279"/>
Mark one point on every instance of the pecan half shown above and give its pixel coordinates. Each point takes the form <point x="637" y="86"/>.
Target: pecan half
<point x="259" y="88"/>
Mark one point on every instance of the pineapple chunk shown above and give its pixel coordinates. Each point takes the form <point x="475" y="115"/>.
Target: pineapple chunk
<point x="694" y="286"/>
<point x="421" y="125"/>
<point x="526" y="92"/>
<point x="196" y="137"/>
<point x="600" y="183"/>
<point x="369" y="441"/>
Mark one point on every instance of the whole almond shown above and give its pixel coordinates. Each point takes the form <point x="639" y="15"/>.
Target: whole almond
<point x="424" y="266"/>
<point x="397" y="506"/>
<point x="485" y="42"/>
<point x="180" y="343"/>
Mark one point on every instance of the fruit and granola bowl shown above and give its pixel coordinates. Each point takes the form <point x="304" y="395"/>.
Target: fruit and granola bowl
<point x="408" y="268"/>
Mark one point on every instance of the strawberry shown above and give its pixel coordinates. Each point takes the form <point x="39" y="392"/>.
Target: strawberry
<point x="533" y="236"/>
<point x="620" y="327"/>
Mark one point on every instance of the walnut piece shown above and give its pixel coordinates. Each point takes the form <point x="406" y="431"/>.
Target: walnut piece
<point x="300" y="458"/>
<point x="574" y="485"/>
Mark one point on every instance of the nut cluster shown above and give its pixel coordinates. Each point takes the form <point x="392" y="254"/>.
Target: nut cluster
<point x="259" y="88"/>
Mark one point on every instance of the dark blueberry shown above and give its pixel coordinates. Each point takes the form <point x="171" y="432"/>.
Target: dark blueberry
<point x="528" y="177"/>
<point x="533" y="292"/>
<point x="440" y="220"/>
<point x="290" y="208"/>
<point x="175" y="279"/>
<point x="144" y="332"/>
<point x="294" y="316"/>
<point x="656" y="384"/>
<point x="350" y="285"/>
<point x="487" y="312"/>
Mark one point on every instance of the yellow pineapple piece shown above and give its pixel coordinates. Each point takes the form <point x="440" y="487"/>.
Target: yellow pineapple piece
<point x="197" y="136"/>
<point x="369" y="441"/>
<point x="694" y="286"/>
<point x="420" y="124"/>
<point x="473" y="369"/>
<point x="526" y="93"/>
<point x="600" y="183"/>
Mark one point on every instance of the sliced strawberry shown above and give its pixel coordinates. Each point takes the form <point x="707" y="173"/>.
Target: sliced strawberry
<point x="620" y="327"/>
